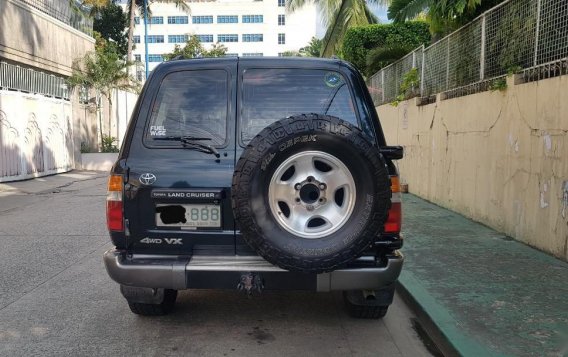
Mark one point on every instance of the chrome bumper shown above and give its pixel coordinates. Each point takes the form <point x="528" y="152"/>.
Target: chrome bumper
<point x="174" y="272"/>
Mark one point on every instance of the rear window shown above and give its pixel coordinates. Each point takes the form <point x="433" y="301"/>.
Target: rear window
<point x="190" y="103"/>
<point x="269" y="95"/>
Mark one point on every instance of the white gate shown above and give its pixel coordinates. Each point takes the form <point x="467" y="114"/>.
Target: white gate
<point x="35" y="136"/>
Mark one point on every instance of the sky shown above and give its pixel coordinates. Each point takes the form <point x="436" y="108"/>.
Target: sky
<point x="380" y="11"/>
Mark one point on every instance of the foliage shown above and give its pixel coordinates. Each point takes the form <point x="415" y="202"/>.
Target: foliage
<point x="510" y="43"/>
<point x="111" y="23"/>
<point x="104" y="70"/>
<point x="337" y="16"/>
<point x="443" y="16"/>
<point x="409" y="86"/>
<point x="85" y="147"/>
<point x="194" y="49"/>
<point x="313" y="49"/>
<point x="383" y="56"/>
<point x="108" y="144"/>
<point x="291" y="54"/>
<point x="360" y="40"/>
<point x="499" y="84"/>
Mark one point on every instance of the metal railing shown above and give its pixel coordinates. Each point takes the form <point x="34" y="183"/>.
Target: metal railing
<point x="511" y="37"/>
<point x="27" y="80"/>
<point x="66" y="11"/>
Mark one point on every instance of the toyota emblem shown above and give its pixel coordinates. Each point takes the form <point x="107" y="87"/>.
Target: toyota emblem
<point x="147" y="178"/>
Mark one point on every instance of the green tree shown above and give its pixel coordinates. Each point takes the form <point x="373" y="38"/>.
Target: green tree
<point x="194" y="49"/>
<point x="104" y="70"/>
<point x="313" y="49"/>
<point x="372" y="47"/>
<point x="443" y="16"/>
<point x="338" y="16"/>
<point x="111" y="22"/>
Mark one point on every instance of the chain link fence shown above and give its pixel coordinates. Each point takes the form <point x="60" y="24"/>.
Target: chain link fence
<point x="27" y="80"/>
<point x="515" y="36"/>
<point x="66" y="11"/>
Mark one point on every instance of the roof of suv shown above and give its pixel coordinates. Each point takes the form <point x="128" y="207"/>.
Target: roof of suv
<point x="297" y="62"/>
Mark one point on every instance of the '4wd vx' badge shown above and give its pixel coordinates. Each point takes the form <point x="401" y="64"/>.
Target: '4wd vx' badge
<point x="147" y="178"/>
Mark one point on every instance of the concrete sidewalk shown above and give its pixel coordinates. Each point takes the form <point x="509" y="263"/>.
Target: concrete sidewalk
<point x="483" y="293"/>
<point x="48" y="184"/>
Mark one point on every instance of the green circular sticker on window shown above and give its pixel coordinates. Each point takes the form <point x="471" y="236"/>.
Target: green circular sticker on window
<point x="333" y="79"/>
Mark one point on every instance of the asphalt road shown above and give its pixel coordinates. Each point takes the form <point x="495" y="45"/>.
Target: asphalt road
<point x="57" y="300"/>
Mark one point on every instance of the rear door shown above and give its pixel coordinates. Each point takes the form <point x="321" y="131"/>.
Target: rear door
<point x="181" y="160"/>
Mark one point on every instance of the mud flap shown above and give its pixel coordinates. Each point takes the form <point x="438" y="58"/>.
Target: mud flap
<point x="142" y="295"/>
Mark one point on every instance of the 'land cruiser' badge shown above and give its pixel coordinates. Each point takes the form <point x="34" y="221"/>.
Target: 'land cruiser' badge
<point x="147" y="178"/>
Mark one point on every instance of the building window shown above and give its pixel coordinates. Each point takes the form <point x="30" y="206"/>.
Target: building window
<point x="155" y="58"/>
<point x="228" y="38"/>
<point x="280" y="54"/>
<point x="205" y="38"/>
<point x="281" y="20"/>
<point x="158" y="20"/>
<point x="136" y="39"/>
<point x="177" y="38"/>
<point x="252" y="37"/>
<point x="83" y="94"/>
<point x="281" y="38"/>
<point x="281" y="3"/>
<point x="257" y="54"/>
<point x="137" y="58"/>
<point x="137" y="20"/>
<point x="231" y="54"/>
<point x="202" y="19"/>
<point x="155" y="38"/>
<point x="253" y="19"/>
<point x="177" y="20"/>
<point x="227" y="19"/>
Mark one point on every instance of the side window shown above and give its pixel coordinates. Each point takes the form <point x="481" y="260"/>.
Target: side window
<point x="190" y="103"/>
<point x="341" y="105"/>
<point x="272" y="94"/>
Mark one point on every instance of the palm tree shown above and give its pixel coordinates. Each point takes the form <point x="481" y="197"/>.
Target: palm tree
<point x="132" y="5"/>
<point x="443" y="15"/>
<point x="104" y="70"/>
<point x="338" y="16"/>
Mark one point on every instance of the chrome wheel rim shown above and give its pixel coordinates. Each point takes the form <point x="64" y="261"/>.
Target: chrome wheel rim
<point x="312" y="194"/>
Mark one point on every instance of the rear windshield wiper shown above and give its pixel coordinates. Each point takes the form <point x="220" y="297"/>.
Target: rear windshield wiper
<point x="193" y="142"/>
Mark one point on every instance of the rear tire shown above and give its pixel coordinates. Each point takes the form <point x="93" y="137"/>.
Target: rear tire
<point x="164" y="308"/>
<point x="363" y="305"/>
<point x="367" y="312"/>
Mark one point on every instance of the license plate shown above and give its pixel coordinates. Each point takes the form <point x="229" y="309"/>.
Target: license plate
<point x="189" y="216"/>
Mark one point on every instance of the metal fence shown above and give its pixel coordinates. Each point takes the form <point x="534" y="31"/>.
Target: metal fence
<point x="511" y="37"/>
<point x="27" y="80"/>
<point x="67" y="11"/>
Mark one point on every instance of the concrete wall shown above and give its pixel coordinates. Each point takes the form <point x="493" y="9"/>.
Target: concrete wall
<point x="30" y="37"/>
<point x="500" y="158"/>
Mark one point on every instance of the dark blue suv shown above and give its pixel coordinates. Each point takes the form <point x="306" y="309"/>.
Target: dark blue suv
<point x="253" y="174"/>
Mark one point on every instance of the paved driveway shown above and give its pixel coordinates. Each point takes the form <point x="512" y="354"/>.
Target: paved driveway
<point x="57" y="300"/>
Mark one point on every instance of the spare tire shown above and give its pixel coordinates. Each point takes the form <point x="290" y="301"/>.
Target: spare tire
<point x="310" y="193"/>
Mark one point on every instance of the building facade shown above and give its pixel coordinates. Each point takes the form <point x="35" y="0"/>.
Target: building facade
<point x="245" y="27"/>
<point x="43" y="123"/>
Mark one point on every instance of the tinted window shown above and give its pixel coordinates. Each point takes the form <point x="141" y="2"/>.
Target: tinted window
<point x="190" y="103"/>
<point x="272" y="94"/>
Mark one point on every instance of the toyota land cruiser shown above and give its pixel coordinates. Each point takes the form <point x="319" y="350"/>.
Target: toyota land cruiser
<point x="253" y="174"/>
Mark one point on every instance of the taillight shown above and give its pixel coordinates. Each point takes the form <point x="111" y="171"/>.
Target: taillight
<point x="115" y="220"/>
<point x="394" y="220"/>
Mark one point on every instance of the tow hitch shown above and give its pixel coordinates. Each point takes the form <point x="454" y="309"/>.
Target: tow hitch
<point x="249" y="283"/>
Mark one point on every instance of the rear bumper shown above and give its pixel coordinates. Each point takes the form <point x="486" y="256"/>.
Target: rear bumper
<point x="222" y="272"/>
